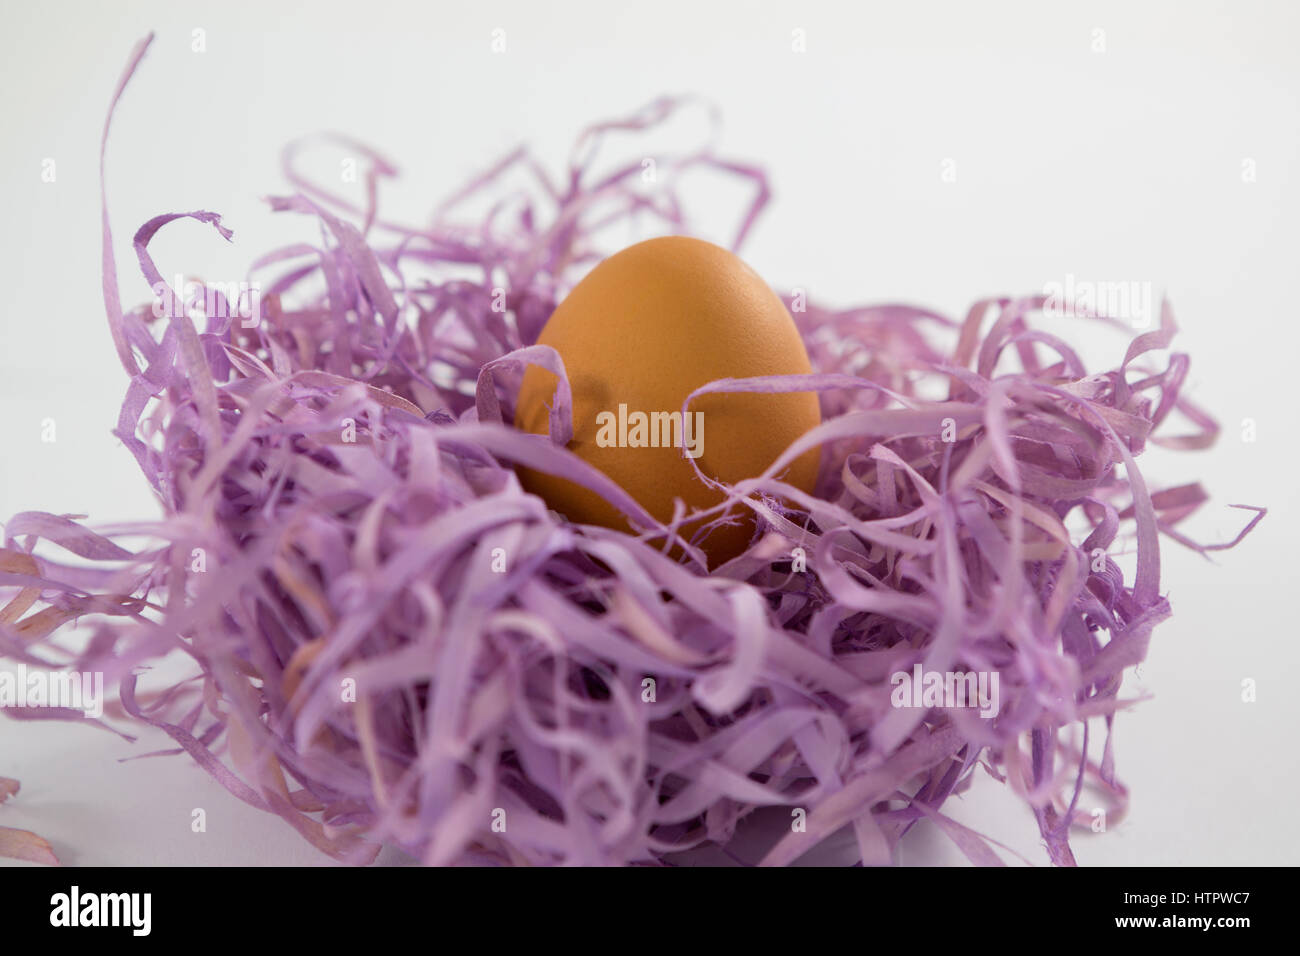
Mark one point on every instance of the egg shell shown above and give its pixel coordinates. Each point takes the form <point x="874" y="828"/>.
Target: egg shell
<point x="644" y="329"/>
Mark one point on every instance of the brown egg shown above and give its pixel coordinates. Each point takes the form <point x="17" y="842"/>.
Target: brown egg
<point x="643" y="330"/>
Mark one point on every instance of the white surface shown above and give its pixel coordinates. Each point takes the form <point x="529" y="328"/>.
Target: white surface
<point x="1119" y="165"/>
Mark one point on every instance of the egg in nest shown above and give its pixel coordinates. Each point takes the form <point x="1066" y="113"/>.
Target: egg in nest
<point x="644" y="329"/>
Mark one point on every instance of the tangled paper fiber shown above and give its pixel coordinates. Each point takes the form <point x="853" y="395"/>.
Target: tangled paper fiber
<point x="391" y="642"/>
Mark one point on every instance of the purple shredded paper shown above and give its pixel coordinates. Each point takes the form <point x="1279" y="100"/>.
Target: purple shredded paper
<point x="338" y="491"/>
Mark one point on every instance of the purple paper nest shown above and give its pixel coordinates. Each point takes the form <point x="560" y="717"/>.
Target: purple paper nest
<point x="395" y="644"/>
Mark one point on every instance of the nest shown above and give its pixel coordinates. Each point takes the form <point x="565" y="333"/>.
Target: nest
<point x="393" y="643"/>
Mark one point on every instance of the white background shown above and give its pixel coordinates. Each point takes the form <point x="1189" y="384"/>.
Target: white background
<point x="1118" y="165"/>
